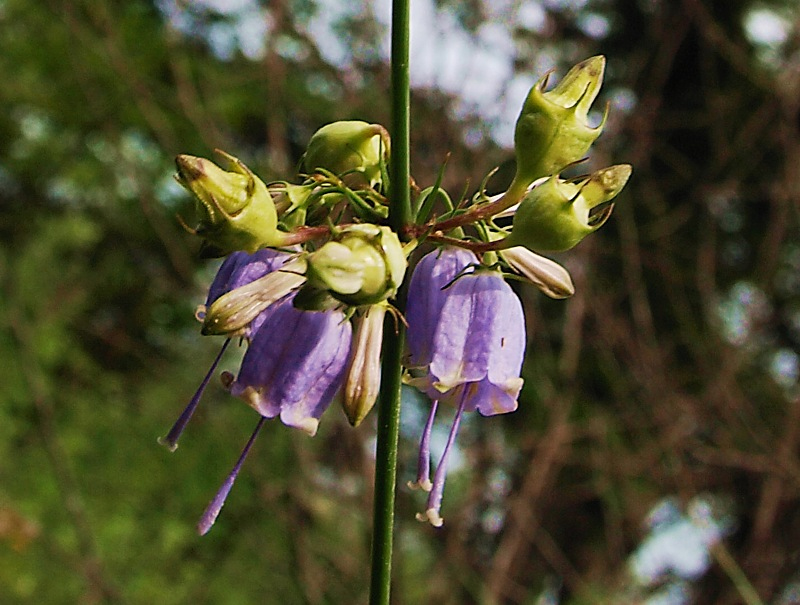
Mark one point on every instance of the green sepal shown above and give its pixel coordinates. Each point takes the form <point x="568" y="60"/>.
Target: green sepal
<point x="558" y="214"/>
<point x="353" y="150"/>
<point x="552" y="131"/>
<point x="235" y="209"/>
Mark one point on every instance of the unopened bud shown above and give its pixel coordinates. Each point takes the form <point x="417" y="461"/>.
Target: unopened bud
<point x="363" y="265"/>
<point x="235" y="209"/>
<point x="232" y="313"/>
<point x="558" y="214"/>
<point x="552" y="130"/>
<point x="352" y="150"/>
<point x="363" y="374"/>
<point x="547" y="275"/>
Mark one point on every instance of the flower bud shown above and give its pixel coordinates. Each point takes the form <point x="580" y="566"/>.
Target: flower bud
<point x="552" y="130"/>
<point x="363" y="375"/>
<point x="363" y="265"/>
<point x="235" y="208"/>
<point x="557" y="214"/>
<point x="547" y="275"/>
<point x="234" y="311"/>
<point x="352" y="150"/>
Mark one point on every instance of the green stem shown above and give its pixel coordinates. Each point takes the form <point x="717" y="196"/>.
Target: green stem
<point x="393" y="342"/>
<point x="400" y="164"/>
<point x="386" y="462"/>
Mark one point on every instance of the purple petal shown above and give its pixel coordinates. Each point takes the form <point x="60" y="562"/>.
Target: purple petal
<point x="426" y="294"/>
<point x="295" y="364"/>
<point x="241" y="268"/>
<point x="490" y="398"/>
<point x="481" y="328"/>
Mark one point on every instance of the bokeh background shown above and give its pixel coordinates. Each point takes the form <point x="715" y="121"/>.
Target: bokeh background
<point x="654" y="457"/>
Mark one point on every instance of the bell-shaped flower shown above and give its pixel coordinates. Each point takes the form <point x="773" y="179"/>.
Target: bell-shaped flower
<point x="292" y="369"/>
<point x="466" y="340"/>
<point x="235" y="208"/>
<point x="353" y="150"/>
<point x="558" y="214"/>
<point x="552" y="130"/>
<point x="294" y="365"/>
<point x="238" y="271"/>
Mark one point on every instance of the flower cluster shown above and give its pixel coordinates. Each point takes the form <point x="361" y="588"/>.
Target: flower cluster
<point x="312" y="269"/>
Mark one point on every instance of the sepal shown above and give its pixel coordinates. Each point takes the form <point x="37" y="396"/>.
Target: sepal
<point x="558" y="214"/>
<point x="552" y="130"/>
<point x="235" y="209"/>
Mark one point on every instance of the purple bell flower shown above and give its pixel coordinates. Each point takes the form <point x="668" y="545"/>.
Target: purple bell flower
<point x="295" y="364"/>
<point x="293" y="368"/>
<point x="466" y="340"/>
<point x="238" y="269"/>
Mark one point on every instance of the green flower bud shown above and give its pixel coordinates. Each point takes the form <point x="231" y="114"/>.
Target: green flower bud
<point x="557" y="214"/>
<point x="552" y="130"/>
<point x="363" y="375"/>
<point x="235" y="208"/>
<point x="363" y="265"/>
<point x="352" y="150"/>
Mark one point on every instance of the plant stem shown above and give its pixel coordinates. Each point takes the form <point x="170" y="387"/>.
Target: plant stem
<point x="386" y="462"/>
<point x="400" y="164"/>
<point x="393" y="341"/>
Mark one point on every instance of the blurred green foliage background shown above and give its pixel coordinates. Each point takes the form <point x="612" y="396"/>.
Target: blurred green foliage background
<point x="672" y="373"/>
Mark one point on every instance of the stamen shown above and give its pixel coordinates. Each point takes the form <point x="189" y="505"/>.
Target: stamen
<point x="423" y="481"/>
<point x="171" y="440"/>
<point x="215" y="506"/>
<point x="435" y="497"/>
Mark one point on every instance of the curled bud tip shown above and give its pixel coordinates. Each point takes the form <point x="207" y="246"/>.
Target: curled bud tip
<point x="558" y="214"/>
<point x="189" y="167"/>
<point x="234" y="208"/>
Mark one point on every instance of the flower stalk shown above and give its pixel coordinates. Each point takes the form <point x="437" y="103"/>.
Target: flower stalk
<point x="394" y="336"/>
